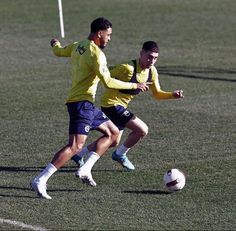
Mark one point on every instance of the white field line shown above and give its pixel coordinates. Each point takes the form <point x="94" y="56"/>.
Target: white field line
<point x="22" y="225"/>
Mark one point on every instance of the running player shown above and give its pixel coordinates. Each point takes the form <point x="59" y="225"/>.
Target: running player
<point x="89" y="66"/>
<point x="114" y="102"/>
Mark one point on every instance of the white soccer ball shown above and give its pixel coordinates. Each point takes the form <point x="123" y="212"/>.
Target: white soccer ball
<point x="174" y="180"/>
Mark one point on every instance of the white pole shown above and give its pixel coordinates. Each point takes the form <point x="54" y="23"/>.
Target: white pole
<point x="61" y="18"/>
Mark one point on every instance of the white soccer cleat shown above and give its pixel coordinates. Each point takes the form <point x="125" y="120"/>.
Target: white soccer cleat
<point x="40" y="189"/>
<point x="85" y="177"/>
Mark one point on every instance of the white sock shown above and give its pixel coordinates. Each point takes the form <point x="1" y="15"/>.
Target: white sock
<point x="82" y="152"/>
<point x="46" y="173"/>
<point x="92" y="159"/>
<point x="122" y="150"/>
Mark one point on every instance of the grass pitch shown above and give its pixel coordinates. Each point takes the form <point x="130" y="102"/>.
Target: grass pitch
<point x="196" y="134"/>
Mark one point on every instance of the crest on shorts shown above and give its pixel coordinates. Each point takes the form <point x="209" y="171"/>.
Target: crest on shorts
<point x="87" y="128"/>
<point x="126" y="113"/>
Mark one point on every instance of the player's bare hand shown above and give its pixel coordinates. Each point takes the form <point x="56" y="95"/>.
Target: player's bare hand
<point x="54" y="41"/>
<point x="143" y="86"/>
<point x="178" y="94"/>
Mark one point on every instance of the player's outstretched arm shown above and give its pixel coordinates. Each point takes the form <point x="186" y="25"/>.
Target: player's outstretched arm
<point x="159" y="94"/>
<point x="60" y="51"/>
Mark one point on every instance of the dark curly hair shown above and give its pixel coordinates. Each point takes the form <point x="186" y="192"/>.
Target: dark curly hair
<point x="100" y="24"/>
<point x="151" y="46"/>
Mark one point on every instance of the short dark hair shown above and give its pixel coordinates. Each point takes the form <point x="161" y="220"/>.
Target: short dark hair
<point x="100" y="24"/>
<point x="151" y="46"/>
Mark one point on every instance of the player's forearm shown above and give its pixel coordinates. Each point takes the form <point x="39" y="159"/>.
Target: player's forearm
<point x="60" y="51"/>
<point x="163" y="95"/>
<point x="117" y="84"/>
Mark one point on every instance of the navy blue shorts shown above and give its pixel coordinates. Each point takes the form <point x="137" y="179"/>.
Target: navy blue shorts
<point x="84" y="116"/>
<point x="119" y="115"/>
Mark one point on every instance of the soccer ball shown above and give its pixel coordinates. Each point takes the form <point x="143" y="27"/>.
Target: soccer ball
<point x="174" y="180"/>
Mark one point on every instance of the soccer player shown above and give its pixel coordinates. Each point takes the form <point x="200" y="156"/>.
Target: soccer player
<point x="114" y="102"/>
<point x="89" y="66"/>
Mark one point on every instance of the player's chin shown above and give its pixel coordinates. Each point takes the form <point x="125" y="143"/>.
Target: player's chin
<point x="102" y="46"/>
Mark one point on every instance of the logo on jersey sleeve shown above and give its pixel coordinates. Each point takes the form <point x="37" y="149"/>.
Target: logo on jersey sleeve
<point x="81" y="49"/>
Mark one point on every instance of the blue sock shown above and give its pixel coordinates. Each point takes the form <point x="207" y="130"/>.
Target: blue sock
<point x="76" y="158"/>
<point x="79" y="156"/>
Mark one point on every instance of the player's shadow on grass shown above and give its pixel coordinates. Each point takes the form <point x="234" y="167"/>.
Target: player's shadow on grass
<point x="12" y="194"/>
<point x="11" y="190"/>
<point x="149" y="192"/>
<point x="204" y="73"/>
<point x="38" y="169"/>
<point x="32" y="169"/>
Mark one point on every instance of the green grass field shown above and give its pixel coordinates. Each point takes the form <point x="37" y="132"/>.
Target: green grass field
<point x="196" y="134"/>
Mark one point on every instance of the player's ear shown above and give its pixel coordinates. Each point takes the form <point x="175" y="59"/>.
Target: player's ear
<point x="99" y="34"/>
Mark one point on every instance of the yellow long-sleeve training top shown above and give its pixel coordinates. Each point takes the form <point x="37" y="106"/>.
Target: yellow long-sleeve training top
<point x="89" y="66"/>
<point x="124" y="72"/>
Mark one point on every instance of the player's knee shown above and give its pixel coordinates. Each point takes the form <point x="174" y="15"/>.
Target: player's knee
<point x="75" y="147"/>
<point x="115" y="143"/>
<point x="113" y="133"/>
<point x="143" y="131"/>
<point x="146" y="131"/>
<point x="114" y="137"/>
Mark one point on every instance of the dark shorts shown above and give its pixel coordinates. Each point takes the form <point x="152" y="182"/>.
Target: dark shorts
<point x="119" y="115"/>
<point x="84" y="116"/>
